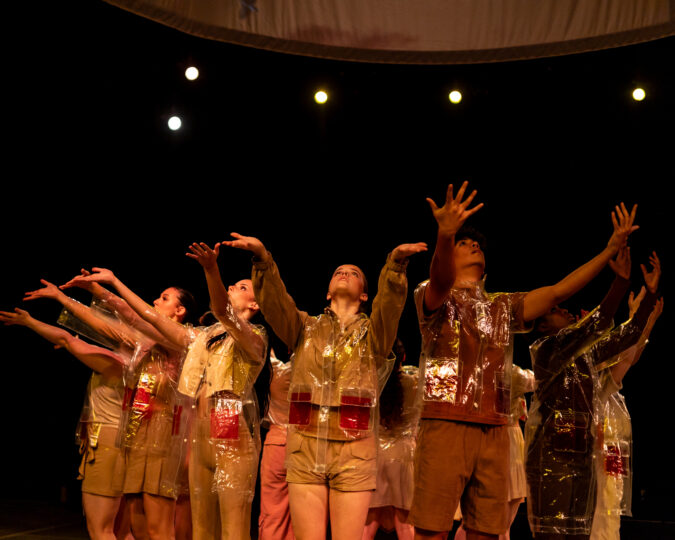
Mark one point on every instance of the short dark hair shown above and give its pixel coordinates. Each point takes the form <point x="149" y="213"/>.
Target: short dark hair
<point x="466" y="231"/>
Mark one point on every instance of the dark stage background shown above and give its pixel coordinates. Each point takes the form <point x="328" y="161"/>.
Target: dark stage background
<point x="94" y="178"/>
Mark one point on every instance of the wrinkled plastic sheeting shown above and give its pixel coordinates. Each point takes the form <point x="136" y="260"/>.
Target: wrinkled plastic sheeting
<point x="615" y="445"/>
<point x="451" y="376"/>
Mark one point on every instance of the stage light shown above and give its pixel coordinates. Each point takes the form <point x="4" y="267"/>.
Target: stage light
<point x="321" y="97"/>
<point x="455" y="96"/>
<point x="191" y="73"/>
<point x="638" y="94"/>
<point x="174" y="123"/>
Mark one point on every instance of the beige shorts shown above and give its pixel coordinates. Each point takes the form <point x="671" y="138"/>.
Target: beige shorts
<point x="342" y="465"/>
<point x="458" y="462"/>
<point x="148" y="467"/>
<point x="102" y="466"/>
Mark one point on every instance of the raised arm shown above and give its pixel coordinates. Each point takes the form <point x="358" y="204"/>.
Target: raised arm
<point x="151" y="323"/>
<point x="114" y="331"/>
<point x="221" y="306"/>
<point x="101" y="360"/>
<point x="276" y="304"/>
<point x="392" y="289"/>
<point x="98" y="291"/>
<point x="449" y="217"/>
<point x="628" y="334"/>
<point x="540" y="301"/>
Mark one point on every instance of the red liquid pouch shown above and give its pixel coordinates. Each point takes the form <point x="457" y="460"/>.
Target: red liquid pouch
<point x="224" y="423"/>
<point x="614" y="462"/>
<point x="355" y="412"/>
<point x="300" y="408"/>
<point x="141" y="402"/>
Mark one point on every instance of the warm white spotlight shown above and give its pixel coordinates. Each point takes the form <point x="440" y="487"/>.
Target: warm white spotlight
<point x="174" y="123"/>
<point x="455" y="96"/>
<point x="638" y="94"/>
<point x="191" y="73"/>
<point x="321" y="97"/>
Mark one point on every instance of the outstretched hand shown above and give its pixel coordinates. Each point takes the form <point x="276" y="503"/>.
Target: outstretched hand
<point x="635" y="300"/>
<point x="204" y="255"/>
<point x="248" y="243"/>
<point x="622" y="264"/>
<point x="402" y="252"/>
<point x="19" y="316"/>
<point x="623" y="226"/>
<point x="452" y="215"/>
<point x="652" y="278"/>
<point x="77" y="281"/>
<point x="48" y="291"/>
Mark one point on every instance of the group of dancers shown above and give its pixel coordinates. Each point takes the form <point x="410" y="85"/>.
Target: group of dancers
<point x="356" y="440"/>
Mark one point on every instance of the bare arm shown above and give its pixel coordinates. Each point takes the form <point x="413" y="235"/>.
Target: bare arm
<point x="101" y="360"/>
<point x="540" y="301"/>
<point x="450" y="217"/>
<point x="114" y="331"/>
<point x="155" y="325"/>
<point x="222" y="308"/>
<point x="98" y="291"/>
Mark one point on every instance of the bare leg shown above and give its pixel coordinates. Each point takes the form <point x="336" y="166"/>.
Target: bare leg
<point x="309" y="510"/>
<point x="513" y="510"/>
<point x="475" y="535"/>
<point x="404" y="530"/>
<point x="100" y="512"/>
<point x="348" y="511"/>
<point x="159" y="513"/>
<point x="183" y="518"/>
<point x="422" y="534"/>
<point x="372" y="524"/>
<point x="123" y="521"/>
<point x="139" y="525"/>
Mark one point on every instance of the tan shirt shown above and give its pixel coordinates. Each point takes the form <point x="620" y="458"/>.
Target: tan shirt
<point x="226" y="366"/>
<point x="467" y="350"/>
<point x="332" y="358"/>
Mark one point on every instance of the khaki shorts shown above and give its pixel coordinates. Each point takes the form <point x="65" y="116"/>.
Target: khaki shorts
<point x="343" y="465"/>
<point x="465" y="463"/>
<point x="148" y="467"/>
<point x="102" y="466"/>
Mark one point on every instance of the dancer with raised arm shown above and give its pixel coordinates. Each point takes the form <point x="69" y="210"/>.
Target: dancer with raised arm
<point x="465" y="373"/>
<point x="101" y="460"/>
<point x="566" y="410"/>
<point x="341" y="359"/>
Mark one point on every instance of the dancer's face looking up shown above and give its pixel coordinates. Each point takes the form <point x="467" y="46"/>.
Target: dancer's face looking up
<point x="242" y="296"/>
<point x="468" y="253"/>
<point x="348" y="281"/>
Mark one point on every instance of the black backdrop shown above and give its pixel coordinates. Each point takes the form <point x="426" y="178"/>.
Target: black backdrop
<point x="92" y="177"/>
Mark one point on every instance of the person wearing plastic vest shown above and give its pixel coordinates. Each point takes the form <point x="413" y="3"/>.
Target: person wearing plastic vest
<point x="565" y="411"/>
<point x="399" y="416"/>
<point x="341" y="360"/>
<point x="101" y="460"/>
<point x="522" y="382"/>
<point x="274" y="522"/>
<point x="615" y="442"/>
<point x="465" y="372"/>
<point x="220" y="370"/>
<point x="153" y="425"/>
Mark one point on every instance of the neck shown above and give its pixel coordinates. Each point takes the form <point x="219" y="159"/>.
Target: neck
<point x="344" y="308"/>
<point x="469" y="274"/>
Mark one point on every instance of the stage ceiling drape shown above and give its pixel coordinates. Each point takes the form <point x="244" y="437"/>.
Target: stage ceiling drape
<point x="417" y="31"/>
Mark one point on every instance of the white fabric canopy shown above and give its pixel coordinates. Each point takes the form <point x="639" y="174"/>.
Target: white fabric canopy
<point x="417" y="31"/>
